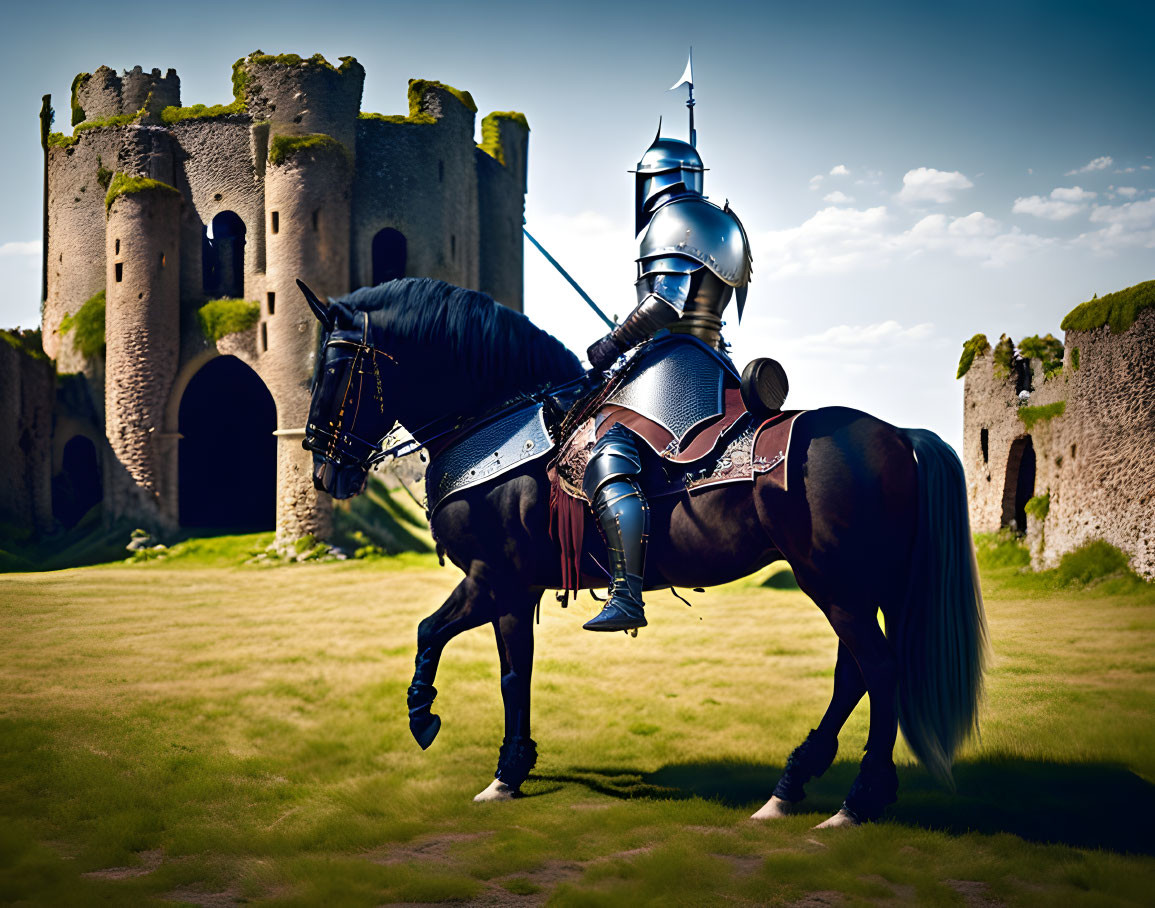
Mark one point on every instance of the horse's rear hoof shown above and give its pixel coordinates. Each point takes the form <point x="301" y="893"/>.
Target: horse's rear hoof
<point x="424" y="730"/>
<point x="497" y="791"/>
<point x="776" y="809"/>
<point x="843" y="818"/>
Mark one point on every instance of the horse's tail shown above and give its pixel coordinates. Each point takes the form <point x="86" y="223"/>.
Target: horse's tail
<point x="940" y="635"/>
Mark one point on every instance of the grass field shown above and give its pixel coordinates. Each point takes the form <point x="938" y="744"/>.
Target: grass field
<point x="197" y="731"/>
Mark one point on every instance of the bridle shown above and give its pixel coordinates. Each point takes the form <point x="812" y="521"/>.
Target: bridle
<point x="344" y="447"/>
<point x="338" y="443"/>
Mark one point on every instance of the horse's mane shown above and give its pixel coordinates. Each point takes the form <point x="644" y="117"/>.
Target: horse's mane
<point x="471" y="335"/>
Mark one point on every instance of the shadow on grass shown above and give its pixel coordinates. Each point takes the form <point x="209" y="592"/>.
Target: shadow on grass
<point x="1085" y="805"/>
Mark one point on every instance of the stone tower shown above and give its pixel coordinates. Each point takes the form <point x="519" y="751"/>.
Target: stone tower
<point x="187" y="228"/>
<point x="1082" y="448"/>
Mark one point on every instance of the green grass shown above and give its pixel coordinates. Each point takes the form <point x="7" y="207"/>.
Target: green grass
<point x="1119" y="309"/>
<point x="1003" y="356"/>
<point x="219" y="318"/>
<point x="88" y="322"/>
<point x="1032" y="416"/>
<point x="976" y="346"/>
<point x="205" y="731"/>
<point x="123" y="184"/>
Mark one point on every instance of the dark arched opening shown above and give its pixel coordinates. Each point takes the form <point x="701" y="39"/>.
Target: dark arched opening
<point x="389" y="255"/>
<point x="1020" y="484"/>
<point x="228" y="453"/>
<point x="77" y="488"/>
<point x="223" y="256"/>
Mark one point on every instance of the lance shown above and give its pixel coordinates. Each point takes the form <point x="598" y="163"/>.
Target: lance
<point x="585" y="296"/>
<point x="688" y="80"/>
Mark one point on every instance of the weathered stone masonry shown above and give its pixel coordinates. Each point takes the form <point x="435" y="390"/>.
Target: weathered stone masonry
<point x="1094" y="460"/>
<point x="290" y="181"/>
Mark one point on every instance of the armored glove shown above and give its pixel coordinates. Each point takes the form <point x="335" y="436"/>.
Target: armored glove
<point x="602" y="353"/>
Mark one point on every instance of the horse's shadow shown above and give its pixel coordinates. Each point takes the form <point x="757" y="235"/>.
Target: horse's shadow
<point x="1085" y="805"/>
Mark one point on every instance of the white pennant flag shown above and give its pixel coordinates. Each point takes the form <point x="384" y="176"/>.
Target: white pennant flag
<point x="687" y="76"/>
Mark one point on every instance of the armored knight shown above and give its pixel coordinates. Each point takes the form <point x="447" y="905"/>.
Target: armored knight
<point x="694" y="256"/>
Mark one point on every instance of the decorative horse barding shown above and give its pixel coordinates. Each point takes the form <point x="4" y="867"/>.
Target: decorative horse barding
<point x="865" y="509"/>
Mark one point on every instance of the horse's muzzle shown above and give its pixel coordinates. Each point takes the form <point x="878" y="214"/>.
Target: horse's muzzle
<point x="338" y="481"/>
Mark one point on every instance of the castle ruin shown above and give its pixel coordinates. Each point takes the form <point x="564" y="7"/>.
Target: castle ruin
<point x="185" y="230"/>
<point x="1075" y="461"/>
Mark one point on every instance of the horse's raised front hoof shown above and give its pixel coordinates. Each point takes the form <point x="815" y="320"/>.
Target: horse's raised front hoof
<point x="841" y="819"/>
<point x="425" y="728"/>
<point x="497" y="791"/>
<point x="776" y="809"/>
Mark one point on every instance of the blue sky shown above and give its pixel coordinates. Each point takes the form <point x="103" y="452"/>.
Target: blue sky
<point x="909" y="174"/>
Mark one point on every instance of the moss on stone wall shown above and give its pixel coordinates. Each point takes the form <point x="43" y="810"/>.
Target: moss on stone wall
<point x="491" y="131"/>
<point x="417" y="119"/>
<point x="1003" y="356"/>
<point x="1038" y="506"/>
<point x="28" y="341"/>
<point x="103" y="174"/>
<point x="1032" y="416"/>
<point x="1118" y="309"/>
<point x="1048" y="350"/>
<point x="77" y="110"/>
<point x="282" y="148"/>
<point x="1075" y="359"/>
<point x="123" y="184"/>
<point x="171" y="115"/>
<point x="89" y="324"/>
<point x="418" y="87"/>
<point x="976" y="346"/>
<point x="219" y="318"/>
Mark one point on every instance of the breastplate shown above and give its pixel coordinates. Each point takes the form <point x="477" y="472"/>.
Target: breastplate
<point x="678" y="385"/>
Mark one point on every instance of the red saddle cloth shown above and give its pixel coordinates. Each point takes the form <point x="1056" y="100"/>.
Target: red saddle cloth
<point x="733" y="447"/>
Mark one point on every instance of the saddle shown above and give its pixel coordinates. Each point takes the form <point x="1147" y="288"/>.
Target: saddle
<point x="737" y="446"/>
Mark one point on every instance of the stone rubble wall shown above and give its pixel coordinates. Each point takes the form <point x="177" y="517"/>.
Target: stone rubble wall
<point x="1096" y="460"/>
<point x="108" y="94"/>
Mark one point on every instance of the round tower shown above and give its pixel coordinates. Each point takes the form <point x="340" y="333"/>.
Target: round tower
<point x="307" y="216"/>
<point x="142" y="327"/>
<point x="304" y="96"/>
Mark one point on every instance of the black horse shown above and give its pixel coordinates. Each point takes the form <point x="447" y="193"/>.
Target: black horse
<point x="868" y="510"/>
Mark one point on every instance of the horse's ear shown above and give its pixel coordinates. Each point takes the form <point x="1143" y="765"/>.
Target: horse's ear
<point x="324" y="316"/>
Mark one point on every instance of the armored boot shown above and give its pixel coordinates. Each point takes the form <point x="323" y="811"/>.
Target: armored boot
<point x="624" y="518"/>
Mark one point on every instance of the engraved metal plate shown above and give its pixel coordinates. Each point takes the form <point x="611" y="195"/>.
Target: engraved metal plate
<point x="677" y="386"/>
<point x="491" y="450"/>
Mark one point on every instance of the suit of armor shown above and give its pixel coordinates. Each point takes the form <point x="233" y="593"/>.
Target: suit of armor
<point x="693" y="257"/>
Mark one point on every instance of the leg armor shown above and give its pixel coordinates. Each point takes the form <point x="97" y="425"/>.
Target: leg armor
<point x="611" y="485"/>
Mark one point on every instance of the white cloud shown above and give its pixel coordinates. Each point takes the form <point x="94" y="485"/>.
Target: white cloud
<point x="1072" y="194"/>
<point x="1129" y="214"/>
<point x="816" y="181"/>
<point x="842" y="337"/>
<point x="1127" y="191"/>
<point x="839" y="170"/>
<point x="1051" y="209"/>
<point x="1126" y="170"/>
<point x="1091" y="166"/>
<point x="925" y="184"/>
<point x="837" y="197"/>
<point x="1131" y="224"/>
<point x="31" y="247"/>
<point x="845" y="239"/>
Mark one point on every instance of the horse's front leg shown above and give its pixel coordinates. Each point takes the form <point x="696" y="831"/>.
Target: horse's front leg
<point x="514" y="632"/>
<point x="470" y="605"/>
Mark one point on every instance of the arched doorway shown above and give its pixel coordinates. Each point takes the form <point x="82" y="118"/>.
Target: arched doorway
<point x="77" y="488"/>
<point x="1020" y="484"/>
<point x="223" y="256"/>
<point x="389" y="255"/>
<point x="228" y="453"/>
